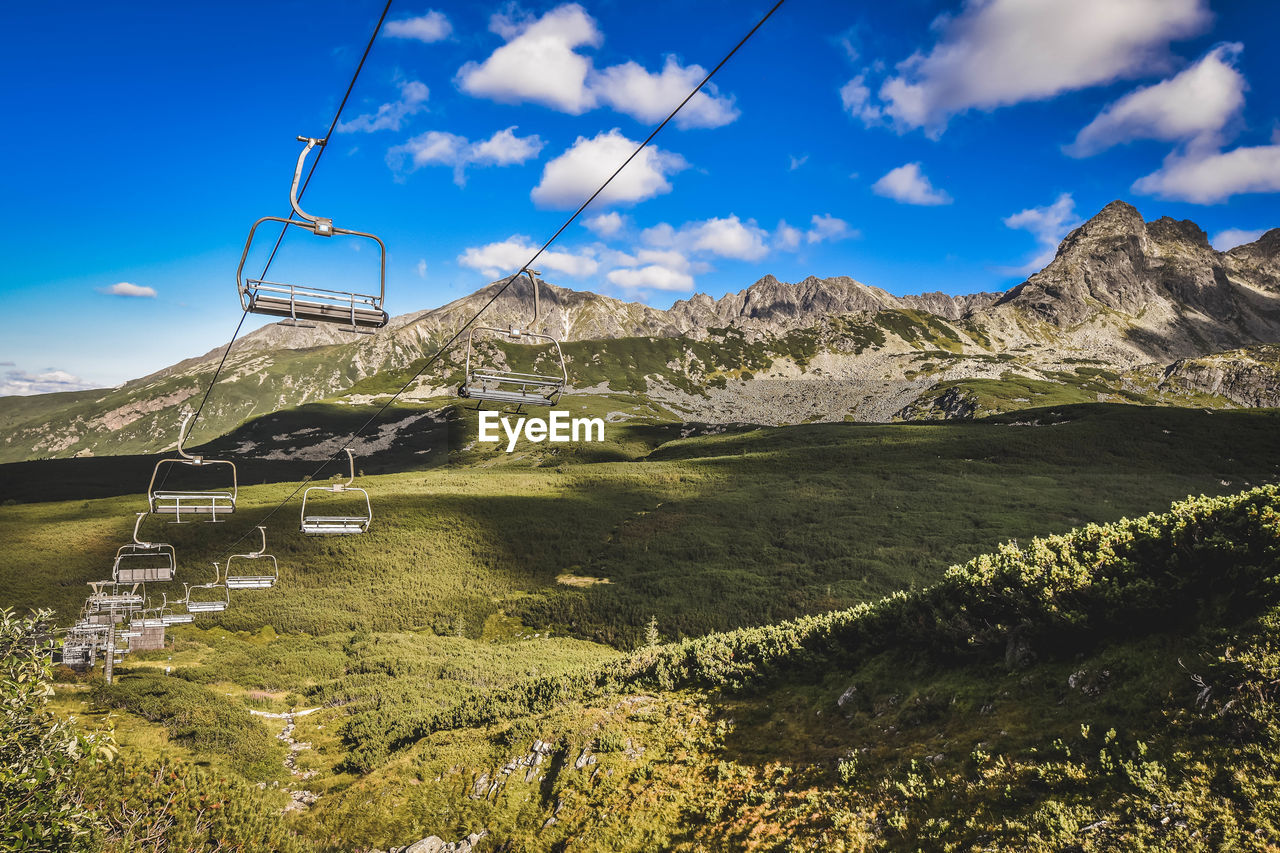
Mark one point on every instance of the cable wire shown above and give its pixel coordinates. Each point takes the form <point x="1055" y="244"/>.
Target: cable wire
<point x="457" y="335"/>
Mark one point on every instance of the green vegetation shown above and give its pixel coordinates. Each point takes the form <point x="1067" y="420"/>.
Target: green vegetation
<point x="39" y="753"/>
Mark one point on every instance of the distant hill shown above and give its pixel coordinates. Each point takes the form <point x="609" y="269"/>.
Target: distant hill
<point x="1122" y="302"/>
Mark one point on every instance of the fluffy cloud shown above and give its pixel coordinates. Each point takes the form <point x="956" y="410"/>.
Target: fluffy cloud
<point x="538" y="62"/>
<point x="125" y="288"/>
<point x="1048" y="224"/>
<point x="498" y="259"/>
<point x="651" y="277"/>
<point x="1193" y="105"/>
<point x="422" y="268"/>
<point x="727" y="237"/>
<point x="826" y="228"/>
<point x="1225" y="241"/>
<point x="909" y="185"/>
<point x="568" y="180"/>
<point x="439" y="148"/>
<point x="606" y="225"/>
<point x="1000" y="52"/>
<point x="787" y="237"/>
<point x="1212" y="177"/>
<point x="632" y="90"/>
<point x="797" y="162"/>
<point x="20" y="383"/>
<point x="413" y="100"/>
<point x="431" y="27"/>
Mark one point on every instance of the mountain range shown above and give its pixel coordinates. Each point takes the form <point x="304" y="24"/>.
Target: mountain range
<point x="1126" y="310"/>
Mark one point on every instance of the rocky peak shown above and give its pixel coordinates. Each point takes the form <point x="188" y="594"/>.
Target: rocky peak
<point x="1166" y="228"/>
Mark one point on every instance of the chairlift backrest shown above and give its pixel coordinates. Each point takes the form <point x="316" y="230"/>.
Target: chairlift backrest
<point x="510" y="387"/>
<point x="306" y="305"/>
<point x="113" y="599"/>
<point x="322" y="525"/>
<point x="255" y="570"/>
<point x="144" y="562"/>
<point x="175" y="502"/>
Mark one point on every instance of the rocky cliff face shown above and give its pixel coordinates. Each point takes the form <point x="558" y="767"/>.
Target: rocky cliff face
<point x="1248" y="377"/>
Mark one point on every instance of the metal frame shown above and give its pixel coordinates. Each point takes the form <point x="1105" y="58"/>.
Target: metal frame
<point x="172" y="617"/>
<point x="113" y="601"/>
<point x="211" y="605"/>
<point x="253" y="581"/>
<point x="341" y="525"/>
<point x="360" y="312"/>
<point x="138" y="549"/>
<point x="208" y="502"/>
<point x="513" y="387"/>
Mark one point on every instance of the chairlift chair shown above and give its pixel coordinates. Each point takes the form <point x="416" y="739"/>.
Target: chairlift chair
<point x="175" y="502"/>
<point x="170" y="616"/>
<point x="248" y="577"/>
<point x="304" y="305"/>
<point x="212" y="597"/>
<point x="113" y="599"/>
<point x="320" y="525"/>
<point x="144" y="562"/>
<point x="76" y="653"/>
<point x="508" y="386"/>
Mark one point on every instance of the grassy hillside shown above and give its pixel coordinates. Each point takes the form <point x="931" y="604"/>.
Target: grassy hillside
<point x="487" y="607"/>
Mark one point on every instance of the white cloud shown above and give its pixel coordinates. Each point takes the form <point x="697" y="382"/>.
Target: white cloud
<point x="652" y="277"/>
<point x="439" y="148"/>
<point x="1048" y="224"/>
<point x="1211" y="177"/>
<point x="413" y="100"/>
<point x="632" y="90"/>
<point x="1193" y="105"/>
<point x="786" y="237"/>
<point x="606" y="225"/>
<point x="504" y="258"/>
<point x="797" y="162"/>
<point x="996" y="53"/>
<point x="422" y="268"/>
<point x="909" y="185"/>
<point x="727" y="237"/>
<point x="855" y="97"/>
<point x="20" y="383"/>
<point x="538" y="62"/>
<point x="431" y="27"/>
<point x="826" y="228"/>
<point x="1225" y="241"/>
<point x="569" y="179"/>
<point x="125" y="288"/>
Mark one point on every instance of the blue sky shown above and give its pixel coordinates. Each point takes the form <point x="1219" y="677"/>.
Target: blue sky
<point x="913" y="146"/>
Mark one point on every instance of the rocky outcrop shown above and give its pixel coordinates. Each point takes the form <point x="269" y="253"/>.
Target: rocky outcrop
<point x="1249" y="377"/>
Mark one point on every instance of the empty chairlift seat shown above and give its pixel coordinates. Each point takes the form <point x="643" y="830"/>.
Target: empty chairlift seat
<point x="144" y="562"/>
<point x="496" y="384"/>
<point x="332" y="524"/>
<point x="207" y="597"/>
<point x="303" y="305"/>
<point x="174" y="614"/>
<point x="255" y="570"/>
<point x="112" y="600"/>
<point x="169" y="500"/>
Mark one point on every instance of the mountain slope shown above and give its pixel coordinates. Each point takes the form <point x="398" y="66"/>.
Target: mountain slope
<point x="1122" y="295"/>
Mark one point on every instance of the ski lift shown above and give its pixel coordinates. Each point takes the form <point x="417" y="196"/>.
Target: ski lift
<point x="212" y="597"/>
<point x="497" y="385"/>
<point x="76" y="653"/>
<point x="175" y="502"/>
<point x="143" y="562"/>
<point x="113" y="599"/>
<point x="249" y="579"/>
<point x="169" y="616"/>
<point x="319" y="525"/>
<point x="357" y="312"/>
